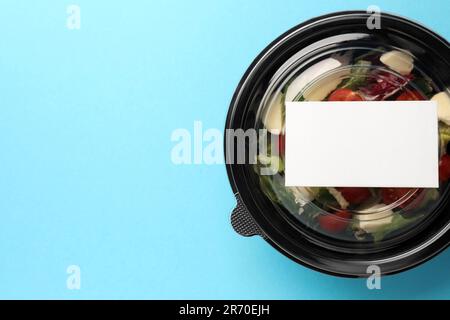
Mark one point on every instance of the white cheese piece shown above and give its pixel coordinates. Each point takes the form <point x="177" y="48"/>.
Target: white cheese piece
<point x="273" y="118"/>
<point x="372" y="221"/>
<point x="443" y="109"/>
<point x="398" y="61"/>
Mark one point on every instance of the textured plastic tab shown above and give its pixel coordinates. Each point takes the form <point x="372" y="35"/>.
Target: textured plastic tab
<point x="242" y="221"/>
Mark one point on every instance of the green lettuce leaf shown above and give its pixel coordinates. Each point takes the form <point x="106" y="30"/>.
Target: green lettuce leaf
<point x="358" y="75"/>
<point x="398" y="222"/>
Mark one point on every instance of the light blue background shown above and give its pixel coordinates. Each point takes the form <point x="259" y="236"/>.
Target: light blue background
<point x="85" y="171"/>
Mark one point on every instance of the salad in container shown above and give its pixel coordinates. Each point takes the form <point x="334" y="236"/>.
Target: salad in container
<point x="341" y="230"/>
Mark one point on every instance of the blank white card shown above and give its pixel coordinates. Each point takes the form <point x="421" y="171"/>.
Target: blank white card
<point x="362" y="144"/>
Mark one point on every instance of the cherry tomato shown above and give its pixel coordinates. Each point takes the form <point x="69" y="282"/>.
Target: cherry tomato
<point x="444" y="168"/>
<point x="391" y="195"/>
<point x="335" y="223"/>
<point x="344" y="95"/>
<point x="410" y="96"/>
<point x="355" y="195"/>
<point x="416" y="199"/>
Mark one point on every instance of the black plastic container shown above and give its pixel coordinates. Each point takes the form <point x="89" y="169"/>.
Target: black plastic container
<point x="275" y="69"/>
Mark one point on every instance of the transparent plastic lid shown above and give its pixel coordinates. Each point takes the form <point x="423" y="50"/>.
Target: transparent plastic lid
<point x="351" y="67"/>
